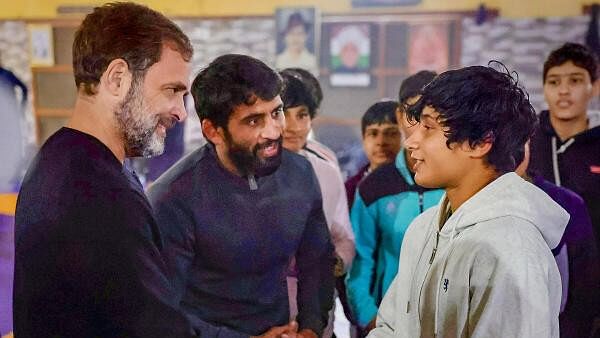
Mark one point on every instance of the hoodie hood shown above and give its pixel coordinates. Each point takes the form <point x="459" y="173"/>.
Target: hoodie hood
<point x="591" y="134"/>
<point x="510" y="195"/>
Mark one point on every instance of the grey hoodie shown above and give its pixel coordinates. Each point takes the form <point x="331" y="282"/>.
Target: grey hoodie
<point x="492" y="273"/>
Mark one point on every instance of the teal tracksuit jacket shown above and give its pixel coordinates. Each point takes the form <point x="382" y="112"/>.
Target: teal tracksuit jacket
<point x="386" y="202"/>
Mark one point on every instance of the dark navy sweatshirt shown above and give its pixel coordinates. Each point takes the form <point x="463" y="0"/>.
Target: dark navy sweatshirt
<point x="228" y="246"/>
<point x="87" y="249"/>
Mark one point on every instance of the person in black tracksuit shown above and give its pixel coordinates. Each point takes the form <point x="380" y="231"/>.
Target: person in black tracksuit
<point x="236" y="211"/>
<point x="565" y="150"/>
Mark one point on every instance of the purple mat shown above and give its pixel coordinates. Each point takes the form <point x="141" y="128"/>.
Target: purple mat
<point x="7" y="256"/>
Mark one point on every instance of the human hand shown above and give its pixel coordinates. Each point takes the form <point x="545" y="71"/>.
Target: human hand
<point x="338" y="268"/>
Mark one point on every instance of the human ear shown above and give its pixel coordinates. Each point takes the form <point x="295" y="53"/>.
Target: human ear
<point x="481" y="149"/>
<point x="213" y="133"/>
<point x="116" y="79"/>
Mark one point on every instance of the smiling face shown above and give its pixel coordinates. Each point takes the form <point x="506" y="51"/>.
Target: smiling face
<point x="568" y="90"/>
<point x="253" y="138"/>
<point x="154" y="104"/>
<point x="297" y="127"/>
<point x="436" y="165"/>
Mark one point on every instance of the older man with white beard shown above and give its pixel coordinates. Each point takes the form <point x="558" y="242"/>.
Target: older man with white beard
<point x="88" y="260"/>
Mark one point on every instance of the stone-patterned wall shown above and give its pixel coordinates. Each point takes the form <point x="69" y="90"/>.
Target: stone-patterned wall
<point x="522" y="45"/>
<point x="211" y="38"/>
<point x="14" y="56"/>
<point x="214" y="37"/>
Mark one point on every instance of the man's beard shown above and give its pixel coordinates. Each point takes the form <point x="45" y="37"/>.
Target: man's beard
<point x="249" y="162"/>
<point x="138" y="126"/>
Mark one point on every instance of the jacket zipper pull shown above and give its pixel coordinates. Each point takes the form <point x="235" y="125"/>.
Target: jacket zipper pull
<point x="437" y="239"/>
<point x="252" y="182"/>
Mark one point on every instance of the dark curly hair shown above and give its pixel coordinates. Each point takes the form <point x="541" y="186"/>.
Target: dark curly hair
<point x="480" y="104"/>
<point x="580" y="55"/>
<point x="229" y="81"/>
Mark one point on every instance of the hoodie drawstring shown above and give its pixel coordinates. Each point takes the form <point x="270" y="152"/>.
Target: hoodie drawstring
<point x="555" y="153"/>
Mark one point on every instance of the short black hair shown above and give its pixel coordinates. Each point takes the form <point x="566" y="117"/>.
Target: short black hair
<point x="300" y="88"/>
<point x="580" y="55"/>
<point x="478" y="104"/>
<point x="310" y="80"/>
<point x="412" y="85"/>
<point x="229" y="81"/>
<point x="380" y="112"/>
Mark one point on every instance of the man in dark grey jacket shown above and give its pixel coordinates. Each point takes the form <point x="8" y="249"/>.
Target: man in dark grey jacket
<point x="235" y="212"/>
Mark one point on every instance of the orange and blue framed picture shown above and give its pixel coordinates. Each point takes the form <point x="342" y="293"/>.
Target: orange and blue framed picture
<point x="297" y="38"/>
<point x="350" y="58"/>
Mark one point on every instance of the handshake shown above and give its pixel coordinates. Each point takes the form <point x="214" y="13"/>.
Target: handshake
<point x="288" y="331"/>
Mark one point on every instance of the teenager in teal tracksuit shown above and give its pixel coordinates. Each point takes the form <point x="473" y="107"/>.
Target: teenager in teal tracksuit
<point x="386" y="202"/>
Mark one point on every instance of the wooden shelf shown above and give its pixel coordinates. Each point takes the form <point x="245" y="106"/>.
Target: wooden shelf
<point x="53" y="69"/>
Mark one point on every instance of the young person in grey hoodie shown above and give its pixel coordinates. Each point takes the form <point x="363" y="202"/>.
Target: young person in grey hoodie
<point x="479" y="264"/>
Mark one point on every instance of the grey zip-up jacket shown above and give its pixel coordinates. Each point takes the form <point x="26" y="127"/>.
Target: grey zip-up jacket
<point x="488" y="272"/>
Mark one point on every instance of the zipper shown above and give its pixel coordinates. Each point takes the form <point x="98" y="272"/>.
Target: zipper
<point x="420" y="202"/>
<point x="437" y="240"/>
<point x="252" y="182"/>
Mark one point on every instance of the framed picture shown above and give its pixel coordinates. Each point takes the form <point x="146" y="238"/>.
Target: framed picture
<point x="41" y="46"/>
<point x="428" y="47"/>
<point x="297" y="38"/>
<point x="350" y="54"/>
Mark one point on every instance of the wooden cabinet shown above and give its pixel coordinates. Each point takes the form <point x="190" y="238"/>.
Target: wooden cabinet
<point x="53" y="87"/>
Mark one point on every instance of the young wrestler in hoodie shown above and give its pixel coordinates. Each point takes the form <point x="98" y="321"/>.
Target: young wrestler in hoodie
<point x="479" y="264"/>
<point x="565" y="146"/>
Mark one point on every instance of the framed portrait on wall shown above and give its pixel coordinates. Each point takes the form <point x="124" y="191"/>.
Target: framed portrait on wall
<point x="350" y="58"/>
<point x="41" y="45"/>
<point x="297" y="31"/>
<point x="428" y="47"/>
